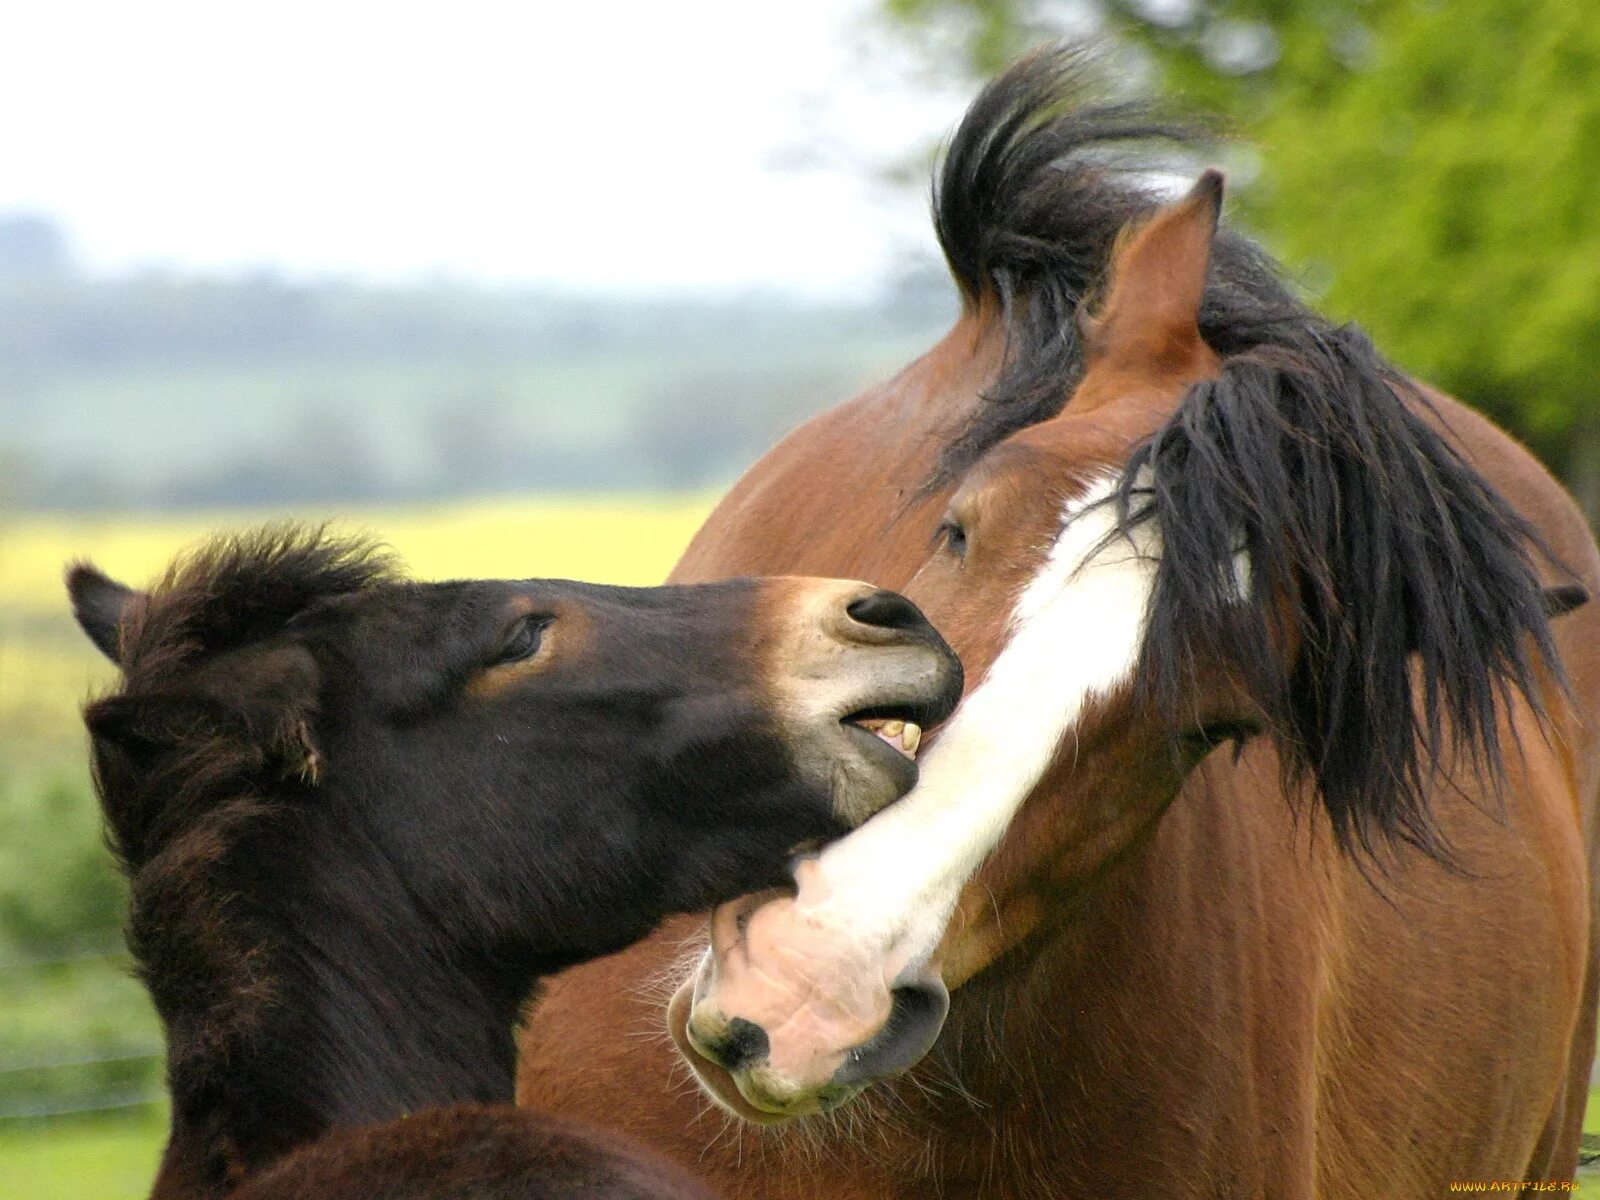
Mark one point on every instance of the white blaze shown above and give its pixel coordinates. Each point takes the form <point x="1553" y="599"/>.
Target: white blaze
<point x="1076" y="633"/>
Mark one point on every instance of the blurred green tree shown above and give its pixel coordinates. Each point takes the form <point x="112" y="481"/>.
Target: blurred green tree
<point x="1430" y="168"/>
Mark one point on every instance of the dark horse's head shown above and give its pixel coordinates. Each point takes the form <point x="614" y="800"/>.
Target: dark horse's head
<point x="323" y="778"/>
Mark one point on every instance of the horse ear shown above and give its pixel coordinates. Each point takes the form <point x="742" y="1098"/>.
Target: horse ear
<point x="1151" y="309"/>
<point x="101" y="604"/>
<point x="267" y="697"/>
<point x="260" y="699"/>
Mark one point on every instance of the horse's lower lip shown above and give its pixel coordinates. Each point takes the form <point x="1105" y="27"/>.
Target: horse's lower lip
<point x="901" y="768"/>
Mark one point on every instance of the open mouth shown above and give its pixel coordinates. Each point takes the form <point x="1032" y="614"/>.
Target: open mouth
<point x="880" y="764"/>
<point x="897" y="729"/>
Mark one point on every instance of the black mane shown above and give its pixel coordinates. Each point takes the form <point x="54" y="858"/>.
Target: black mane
<point x="230" y="592"/>
<point x="1405" y="581"/>
<point x="237" y="588"/>
<point x="1033" y="191"/>
<point x="188" y="756"/>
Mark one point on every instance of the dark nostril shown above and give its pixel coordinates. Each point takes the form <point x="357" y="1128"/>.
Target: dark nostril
<point x="916" y="1016"/>
<point x="889" y="610"/>
<point x="743" y="1044"/>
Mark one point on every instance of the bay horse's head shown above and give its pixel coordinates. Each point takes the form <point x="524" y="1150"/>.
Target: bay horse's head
<point x="537" y="769"/>
<point x="1197" y="548"/>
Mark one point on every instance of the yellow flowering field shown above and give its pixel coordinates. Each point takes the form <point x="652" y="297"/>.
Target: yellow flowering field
<point x="47" y="668"/>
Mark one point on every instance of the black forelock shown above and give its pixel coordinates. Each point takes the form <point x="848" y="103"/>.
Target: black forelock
<point x="1406" y="583"/>
<point x="1033" y="191"/>
<point x="239" y="588"/>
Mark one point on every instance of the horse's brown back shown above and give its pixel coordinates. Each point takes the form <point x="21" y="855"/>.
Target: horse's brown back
<point x="470" y="1152"/>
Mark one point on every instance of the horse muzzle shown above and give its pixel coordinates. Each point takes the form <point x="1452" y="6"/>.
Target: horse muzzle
<point x="856" y="675"/>
<point x="781" y="1020"/>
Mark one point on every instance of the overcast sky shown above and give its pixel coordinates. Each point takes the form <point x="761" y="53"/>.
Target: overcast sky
<point x="635" y="145"/>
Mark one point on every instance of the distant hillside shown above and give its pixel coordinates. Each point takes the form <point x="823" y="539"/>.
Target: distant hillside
<point x="159" y="391"/>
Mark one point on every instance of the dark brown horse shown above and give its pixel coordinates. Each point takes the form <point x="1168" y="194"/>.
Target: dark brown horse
<point x="360" y="817"/>
<point x="1257" y="861"/>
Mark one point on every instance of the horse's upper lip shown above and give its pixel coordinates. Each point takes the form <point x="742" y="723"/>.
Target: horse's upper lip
<point x="718" y="1084"/>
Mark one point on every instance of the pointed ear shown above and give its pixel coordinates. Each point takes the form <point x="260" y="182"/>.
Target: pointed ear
<point x="100" y="603"/>
<point x="1151" y="308"/>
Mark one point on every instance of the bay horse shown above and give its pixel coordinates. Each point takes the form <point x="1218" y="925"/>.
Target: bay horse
<point x="361" y="817"/>
<point x="1258" y="860"/>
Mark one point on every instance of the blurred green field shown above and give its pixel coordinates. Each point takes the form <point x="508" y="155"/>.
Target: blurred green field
<point x="92" y="1158"/>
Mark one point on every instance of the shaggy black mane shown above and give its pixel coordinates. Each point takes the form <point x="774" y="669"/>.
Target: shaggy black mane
<point x="188" y="756"/>
<point x="225" y="595"/>
<point x="1405" y="583"/>
<point x="238" y="588"/>
<point x="1034" y="188"/>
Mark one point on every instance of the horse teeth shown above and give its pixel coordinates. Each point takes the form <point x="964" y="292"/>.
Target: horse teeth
<point x="904" y="736"/>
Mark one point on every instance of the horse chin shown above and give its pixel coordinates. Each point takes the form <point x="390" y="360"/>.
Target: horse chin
<point x="869" y="774"/>
<point x="721" y="1086"/>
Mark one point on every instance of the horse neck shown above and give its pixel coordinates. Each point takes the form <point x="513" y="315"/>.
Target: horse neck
<point x="367" y="1018"/>
<point x="1019" y="1027"/>
<point x="1054" y="1040"/>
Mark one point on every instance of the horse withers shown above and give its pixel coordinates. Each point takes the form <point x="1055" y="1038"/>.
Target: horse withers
<point x="361" y="817"/>
<point x="1258" y="860"/>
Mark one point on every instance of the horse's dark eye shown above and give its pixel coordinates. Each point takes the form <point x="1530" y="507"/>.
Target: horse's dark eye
<point x="1209" y="736"/>
<point x="523" y="641"/>
<point x="952" y="537"/>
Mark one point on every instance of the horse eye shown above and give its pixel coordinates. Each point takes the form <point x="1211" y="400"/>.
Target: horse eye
<point x="952" y="537"/>
<point x="523" y="641"/>
<point x="1214" y="733"/>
